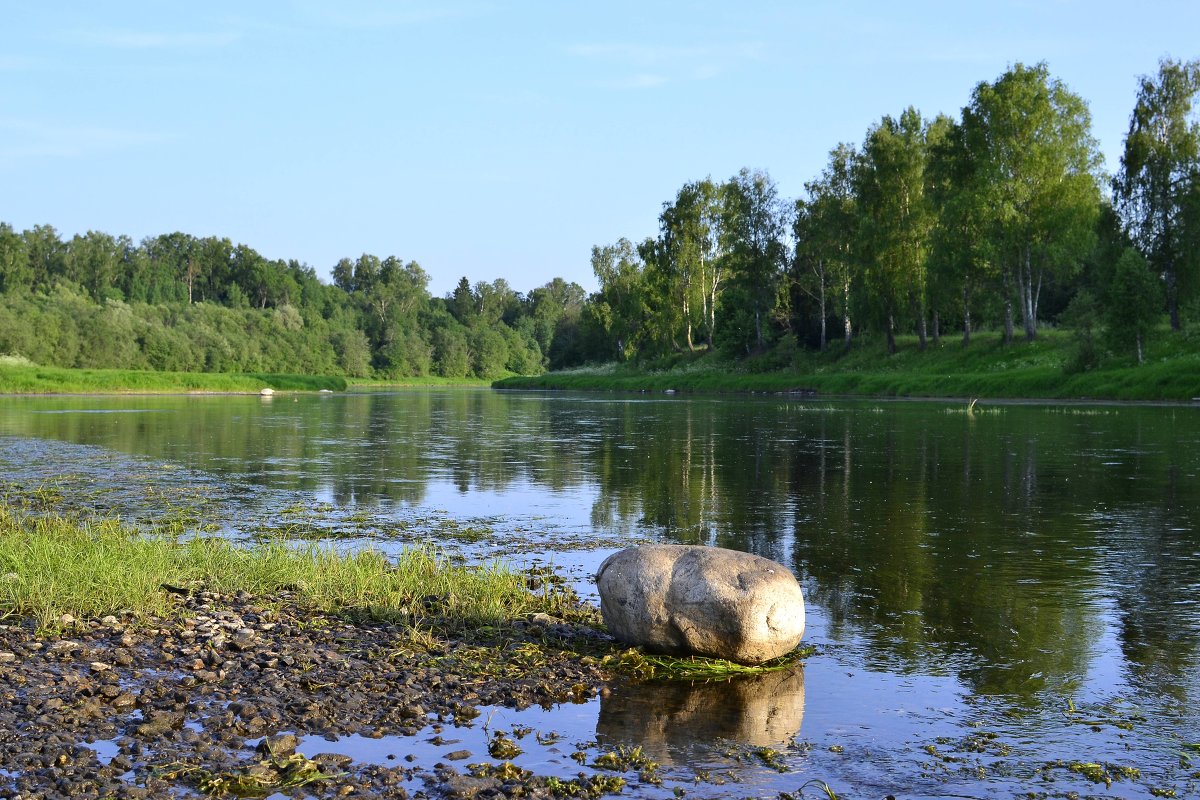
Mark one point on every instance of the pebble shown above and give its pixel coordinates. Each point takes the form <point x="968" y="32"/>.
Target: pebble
<point x="204" y="690"/>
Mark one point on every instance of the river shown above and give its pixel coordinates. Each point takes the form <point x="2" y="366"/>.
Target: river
<point x="997" y="594"/>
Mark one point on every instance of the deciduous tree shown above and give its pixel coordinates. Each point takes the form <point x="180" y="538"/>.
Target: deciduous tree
<point x="1036" y="166"/>
<point x="1158" y="186"/>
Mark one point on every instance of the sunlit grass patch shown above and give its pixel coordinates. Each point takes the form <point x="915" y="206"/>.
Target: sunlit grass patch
<point x="19" y="378"/>
<point x="51" y="566"/>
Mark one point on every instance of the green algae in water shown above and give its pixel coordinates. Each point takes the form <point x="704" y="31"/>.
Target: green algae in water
<point x="502" y="747"/>
<point x="651" y="667"/>
<point x="270" y="775"/>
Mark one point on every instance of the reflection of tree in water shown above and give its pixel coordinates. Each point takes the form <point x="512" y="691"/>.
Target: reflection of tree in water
<point x="983" y="553"/>
<point x="985" y="544"/>
<point x="1156" y="594"/>
<point x="945" y="541"/>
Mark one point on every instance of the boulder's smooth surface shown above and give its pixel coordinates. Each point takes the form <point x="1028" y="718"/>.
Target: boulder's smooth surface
<point x="708" y="601"/>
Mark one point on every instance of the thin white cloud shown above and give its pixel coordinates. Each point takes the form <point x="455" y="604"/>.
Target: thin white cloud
<point x="11" y="63"/>
<point x="649" y="66"/>
<point x="643" y="80"/>
<point x="358" y="14"/>
<point x="643" y="54"/>
<point x="25" y="139"/>
<point x="150" y="40"/>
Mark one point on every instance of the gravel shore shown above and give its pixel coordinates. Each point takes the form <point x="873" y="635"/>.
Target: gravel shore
<point x="216" y="700"/>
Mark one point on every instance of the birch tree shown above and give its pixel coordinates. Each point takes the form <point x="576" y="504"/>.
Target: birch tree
<point x="1158" y="187"/>
<point x="824" y="232"/>
<point x="1036" y="172"/>
<point x="895" y="220"/>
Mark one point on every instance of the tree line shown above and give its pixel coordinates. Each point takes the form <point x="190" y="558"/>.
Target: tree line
<point x="179" y="302"/>
<point x="998" y="218"/>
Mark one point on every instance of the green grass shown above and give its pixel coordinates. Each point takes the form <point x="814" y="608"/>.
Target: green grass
<point x="29" y="379"/>
<point x="987" y="368"/>
<point x="417" y="382"/>
<point x="300" y="383"/>
<point x="51" y="566"/>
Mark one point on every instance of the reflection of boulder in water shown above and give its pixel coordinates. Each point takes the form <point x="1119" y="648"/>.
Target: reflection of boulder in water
<point x="669" y="719"/>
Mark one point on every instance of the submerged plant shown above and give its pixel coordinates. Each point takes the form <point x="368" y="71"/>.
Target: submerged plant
<point x="502" y="747"/>
<point x="649" y="667"/>
<point x="586" y="787"/>
<point x="1101" y="773"/>
<point x="505" y="771"/>
<point x="272" y="774"/>
<point x="824" y="787"/>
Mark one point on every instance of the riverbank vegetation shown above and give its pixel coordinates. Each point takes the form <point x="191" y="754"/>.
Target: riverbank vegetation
<point x="417" y="382"/>
<point x="53" y="566"/>
<point x="23" y="378"/>
<point x="1044" y="368"/>
<point x="1000" y="219"/>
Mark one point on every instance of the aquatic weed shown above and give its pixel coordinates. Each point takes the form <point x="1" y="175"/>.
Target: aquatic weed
<point x="502" y="747"/>
<point x="1104" y="773"/>
<point x="650" y="667"/>
<point x="825" y="788"/>
<point x="271" y="774"/>
<point x="586" y="787"/>
<point x="505" y="771"/>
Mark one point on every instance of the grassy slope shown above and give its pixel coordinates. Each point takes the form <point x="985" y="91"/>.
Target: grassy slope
<point x="985" y="369"/>
<point x="16" y="379"/>
<point x="418" y="382"/>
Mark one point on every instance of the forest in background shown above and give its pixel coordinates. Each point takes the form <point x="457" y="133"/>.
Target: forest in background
<point x="999" y="220"/>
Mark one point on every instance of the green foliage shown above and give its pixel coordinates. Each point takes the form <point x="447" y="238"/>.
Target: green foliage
<point x="1082" y="317"/>
<point x="931" y="223"/>
<point x="1034" y="171"/>
<point x="1158" y="186"/>
<point x="180" y="304"/>
<point x="1133" y="303"/>
<point x="895" y="220"/>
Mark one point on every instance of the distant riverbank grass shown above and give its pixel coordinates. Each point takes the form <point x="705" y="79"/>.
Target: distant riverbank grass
<point x="52" y="566"/>
<point x="417" y="382"/>
<point x="28" y="379"/>
<point x="987" y="368"/>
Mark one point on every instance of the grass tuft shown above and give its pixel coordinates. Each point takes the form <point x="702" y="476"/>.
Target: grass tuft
<point x="51" y="566"/>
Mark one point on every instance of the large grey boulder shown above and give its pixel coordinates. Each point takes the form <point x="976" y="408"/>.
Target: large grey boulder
<point x="692" y="600"/>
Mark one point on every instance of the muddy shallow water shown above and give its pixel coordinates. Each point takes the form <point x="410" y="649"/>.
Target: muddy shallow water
<point x="1004" y="602"/>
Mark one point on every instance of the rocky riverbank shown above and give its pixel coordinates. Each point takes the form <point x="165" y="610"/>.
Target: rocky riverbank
<point x="216" y="700"/>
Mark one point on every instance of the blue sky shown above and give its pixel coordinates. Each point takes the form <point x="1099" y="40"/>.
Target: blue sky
<point x="493" y="139"/>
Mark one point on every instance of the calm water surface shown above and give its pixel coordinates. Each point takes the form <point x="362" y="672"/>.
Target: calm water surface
<point x="995" y="595"/>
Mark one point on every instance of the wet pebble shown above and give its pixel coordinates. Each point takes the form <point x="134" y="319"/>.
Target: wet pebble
<point x="206" y="689"/>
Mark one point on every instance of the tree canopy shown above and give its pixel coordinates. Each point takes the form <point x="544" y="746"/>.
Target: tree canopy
<point x="928" y="222"/>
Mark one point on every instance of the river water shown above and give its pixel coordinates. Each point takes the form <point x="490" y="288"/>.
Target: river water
<point x="999" y="597"/>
